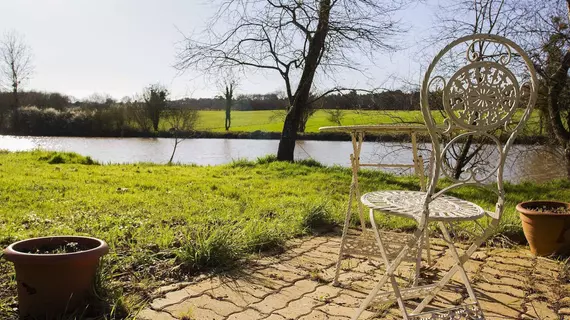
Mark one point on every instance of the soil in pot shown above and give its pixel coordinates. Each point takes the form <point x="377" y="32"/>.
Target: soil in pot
<point x="65" y="247"/>
<point x="55" y="275"/>
<point x="546" y="226"/>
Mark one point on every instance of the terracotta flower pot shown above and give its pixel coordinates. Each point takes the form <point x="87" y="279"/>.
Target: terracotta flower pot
<point x="546" y="231"/>
<point x="52" y="284"/>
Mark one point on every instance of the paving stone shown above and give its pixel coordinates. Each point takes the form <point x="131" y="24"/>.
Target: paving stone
<point x="196" y="313"/>
<point x="524" y="262"/>
<point x="498" y="273"/>
<point x="507" y="268"/>
<point x="205" y="285"/>
<point x="174" y="287"/>
<point x="565" y="302"/>
<point x="238" y="297"/>
<point x="255" y="289"/>
<point x="149" y="314"/>
<point x="324" y="293"/>
<point x="269" y="282"/>
<point x="300" y="288"/>
<point x="505" y="299"/>
<point x="298" y="308"/>
<point x="306" y="262"/>
<point x="275" y="317"/>
<point x="171" y="298"/>
<point x="319" y="315"/>
<point x="248" y="314"/>
<point x="488" y="287"/>
<point x="280" y="274"/>
<point x="497" y="310"/>
<point x="327" y="258"/>
<point x="564" y="311"/>
<point x="540" y="310"/>
<point x="333" y="309"/>
<point x="272" y="302"/>
<point x="346" y="300"/>
<point x="502" y="280"/>
<point x="223" y="308"/>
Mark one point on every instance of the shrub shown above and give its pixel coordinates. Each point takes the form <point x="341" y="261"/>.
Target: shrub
<point x="67" y="157"/>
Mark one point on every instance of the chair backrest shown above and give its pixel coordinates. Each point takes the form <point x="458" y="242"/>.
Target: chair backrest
<point x="479" y="87"/>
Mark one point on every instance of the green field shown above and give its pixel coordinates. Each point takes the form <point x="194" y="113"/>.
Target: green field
<point x="271" y="121"/>
<point x="168" y="223"/>
<point x="268" y="121"/>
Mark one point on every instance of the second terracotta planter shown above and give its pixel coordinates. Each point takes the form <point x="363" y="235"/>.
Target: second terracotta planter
<point x="546" y="231"/>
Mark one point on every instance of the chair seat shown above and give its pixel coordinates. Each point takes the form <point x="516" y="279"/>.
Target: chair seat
<point x="410" y="204"/>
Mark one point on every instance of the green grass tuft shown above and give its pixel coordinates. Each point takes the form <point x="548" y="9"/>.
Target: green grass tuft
<point x="310" y="163"/>
<point x="65" y="157"/>
<point x="266" y="159"/>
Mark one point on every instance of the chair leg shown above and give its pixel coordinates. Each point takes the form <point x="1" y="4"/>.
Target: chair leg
<point x="458" y="267"/>
<point x="390" y="269"/>
<point x="455" y="255"/>
<point x="419" y="260"/>
<point x="427" y="242"/>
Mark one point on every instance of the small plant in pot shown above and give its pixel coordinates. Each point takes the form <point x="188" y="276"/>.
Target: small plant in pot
<point x="54" y="274"/>
<point x="546" y="226"/>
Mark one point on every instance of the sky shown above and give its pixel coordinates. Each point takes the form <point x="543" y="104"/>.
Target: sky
<point x="118" y="47"/>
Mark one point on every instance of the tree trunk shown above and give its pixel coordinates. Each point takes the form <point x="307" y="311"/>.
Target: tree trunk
<point x="462" y="161"/>
<point x="286" y="148"/>
<point x="155" y="120"/>
<point x="228" y="114"/>
<point x="15" y="106"/>
<point x="567" y="158"/>
<point x="174" y="149"/>
<point x="555" y="88"/>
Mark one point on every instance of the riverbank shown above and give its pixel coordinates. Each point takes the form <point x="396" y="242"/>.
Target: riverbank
<point x="263" y="135"/>
<point x="168" y="223"/>
<point x="266" y="124"/>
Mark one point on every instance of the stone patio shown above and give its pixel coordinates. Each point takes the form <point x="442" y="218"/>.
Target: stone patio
<point x="510" y="284"/>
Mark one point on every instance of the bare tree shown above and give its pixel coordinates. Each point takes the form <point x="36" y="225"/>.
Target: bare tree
<point x="180" y="120"/>
<point x="295" y="39"/>
<point x="335" y="116"/>
<point x="547" y="33"/>
<point x="228" y="86"/>
<point x="455" y="19"/>
<point x="542" y="30"/>
<point x="15" y="68"/>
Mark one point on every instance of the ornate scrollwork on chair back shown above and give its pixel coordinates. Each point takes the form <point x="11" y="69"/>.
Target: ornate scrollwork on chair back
<point x="479" y="98"/>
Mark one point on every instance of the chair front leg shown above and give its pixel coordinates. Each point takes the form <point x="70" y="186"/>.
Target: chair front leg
<point x="390" y="266"/>
<point x="460" y="260"/>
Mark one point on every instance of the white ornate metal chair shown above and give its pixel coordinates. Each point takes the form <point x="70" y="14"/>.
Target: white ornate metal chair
<point x="478" y="100"/>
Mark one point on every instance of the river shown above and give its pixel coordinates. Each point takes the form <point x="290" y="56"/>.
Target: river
<point x="536" y="164"/>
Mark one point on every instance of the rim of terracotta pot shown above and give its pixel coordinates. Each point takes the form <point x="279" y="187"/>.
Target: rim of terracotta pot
<point x="522" y="207"/>
<point x="14" y="254"/>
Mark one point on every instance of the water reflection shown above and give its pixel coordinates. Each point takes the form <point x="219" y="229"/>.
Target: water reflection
<point x="524" y="163"/>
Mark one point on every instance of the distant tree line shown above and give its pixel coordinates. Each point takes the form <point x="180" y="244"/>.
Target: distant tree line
<point x="388" y="100"/>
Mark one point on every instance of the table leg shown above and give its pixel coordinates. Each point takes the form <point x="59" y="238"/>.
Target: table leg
<point x="418" y="166"/>
<point x="357" y="139"/>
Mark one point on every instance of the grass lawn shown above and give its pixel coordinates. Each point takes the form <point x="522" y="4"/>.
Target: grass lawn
<point x="267" y="121"/>
<point x="167" y="223"/>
